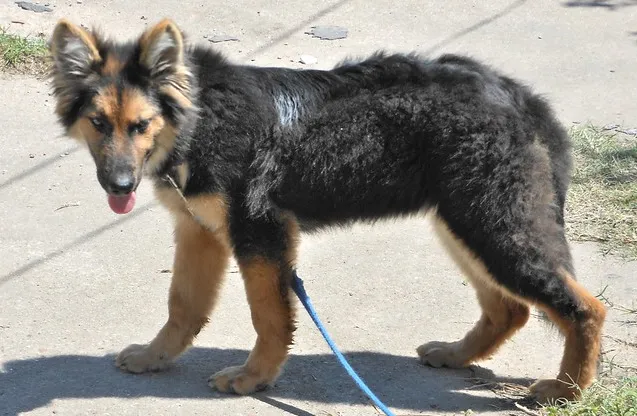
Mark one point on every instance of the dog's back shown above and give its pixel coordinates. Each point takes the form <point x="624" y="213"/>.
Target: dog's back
<point x="382" y="136"/>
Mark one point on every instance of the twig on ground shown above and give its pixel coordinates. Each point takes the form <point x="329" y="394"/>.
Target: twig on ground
<point x="621" y="341"/>
<point x="527" y="410"/>
<point x="70" y="204"/>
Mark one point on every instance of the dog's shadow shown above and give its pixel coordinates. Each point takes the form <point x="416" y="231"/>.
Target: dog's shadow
<point x="400" y="381"/>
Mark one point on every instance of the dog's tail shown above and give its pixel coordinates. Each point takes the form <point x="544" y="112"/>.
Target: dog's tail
<point x="554" y="137"/>
<point x="552" y="134"/>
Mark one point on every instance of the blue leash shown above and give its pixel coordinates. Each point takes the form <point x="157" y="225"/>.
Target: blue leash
<point x="299" y="289"/>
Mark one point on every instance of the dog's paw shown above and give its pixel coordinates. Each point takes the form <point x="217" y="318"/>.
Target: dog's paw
<point x="552" y="391"/>
<point x="141" y="358"/>
<point x="440" y="354"/>
<point x="239" y="380"/>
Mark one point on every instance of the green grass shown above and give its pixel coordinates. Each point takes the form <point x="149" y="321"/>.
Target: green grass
<point x="23" y="55"/>
<point x="607" y="398"/>
<point x="602" y="201"/>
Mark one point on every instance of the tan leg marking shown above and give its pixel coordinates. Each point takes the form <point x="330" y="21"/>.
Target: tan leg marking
<point x="273" y="320"/>
<point x="272" y="317"/>
<point x="581" y="349"/>
<point x="200" y="262"/>
<point x="502" y="314"/>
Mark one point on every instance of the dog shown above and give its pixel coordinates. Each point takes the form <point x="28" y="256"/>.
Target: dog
<point x="247" y="158"/>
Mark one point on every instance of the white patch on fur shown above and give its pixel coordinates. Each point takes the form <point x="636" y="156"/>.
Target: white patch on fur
<point x="288" y="106"/>
<point x="498" y="95"/>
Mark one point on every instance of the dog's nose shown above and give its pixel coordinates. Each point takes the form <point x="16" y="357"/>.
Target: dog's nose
<point x="122" y="183"/>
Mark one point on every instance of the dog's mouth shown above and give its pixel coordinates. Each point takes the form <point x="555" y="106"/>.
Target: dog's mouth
<point x="120" y="186"/>
<point x="122" y="204"/>
<point x="120" y="179"/>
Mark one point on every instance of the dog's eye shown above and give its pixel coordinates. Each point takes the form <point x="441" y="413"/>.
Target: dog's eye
<point x="139" y="127"/>
<point x="98" y="123"/>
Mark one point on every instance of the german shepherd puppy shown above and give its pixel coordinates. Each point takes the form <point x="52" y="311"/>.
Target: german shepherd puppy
<point x="245" y="158"/>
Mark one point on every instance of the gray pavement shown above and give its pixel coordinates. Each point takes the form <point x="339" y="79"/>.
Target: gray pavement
<point x="78" y="283"/>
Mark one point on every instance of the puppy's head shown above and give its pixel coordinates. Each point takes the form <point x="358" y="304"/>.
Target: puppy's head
<point x="127" y="102"/>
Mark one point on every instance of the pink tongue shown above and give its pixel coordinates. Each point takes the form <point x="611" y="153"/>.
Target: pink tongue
<point x="122" y="204"/>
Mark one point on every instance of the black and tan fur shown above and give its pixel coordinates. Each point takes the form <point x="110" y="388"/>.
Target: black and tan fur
<point x="264" y="153"/>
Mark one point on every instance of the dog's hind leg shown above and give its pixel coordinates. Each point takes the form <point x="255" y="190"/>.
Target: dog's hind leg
<point x="201" y="258"/>
<point x="529" y="266"/>
<point x="266" y="251"/>
<point x="582" y="329"/>
<point x="502" y="314"/>
<point x="504" y="222"/>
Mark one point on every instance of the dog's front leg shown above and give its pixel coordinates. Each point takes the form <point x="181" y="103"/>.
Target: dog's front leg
<point x="266" y="254"/>
<point x="201" y="258"/>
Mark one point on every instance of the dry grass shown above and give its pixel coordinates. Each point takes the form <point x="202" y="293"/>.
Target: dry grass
<point x="23" y="55"/>
<point x="608" y="398"/>
<point x="602" y="202"/>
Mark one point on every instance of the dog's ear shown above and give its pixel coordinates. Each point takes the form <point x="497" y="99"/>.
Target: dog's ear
<point x="162" y="49"/>
<point x="162" y="53"/>
<point x="74" y="50"/>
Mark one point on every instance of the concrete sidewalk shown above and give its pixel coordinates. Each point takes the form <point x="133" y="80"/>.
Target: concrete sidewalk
<point x="78" y="283"/>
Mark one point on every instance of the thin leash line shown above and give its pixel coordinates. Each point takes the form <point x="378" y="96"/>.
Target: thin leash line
<point x="299" y="289"/>
<point x="183" y="198"/>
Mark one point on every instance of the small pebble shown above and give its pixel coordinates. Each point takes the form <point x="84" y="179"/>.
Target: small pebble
<point x="328" y="32"/>
<point x="31" y="155"/>
<point x="33" y="7"/>
<point x="222" y="38"/>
